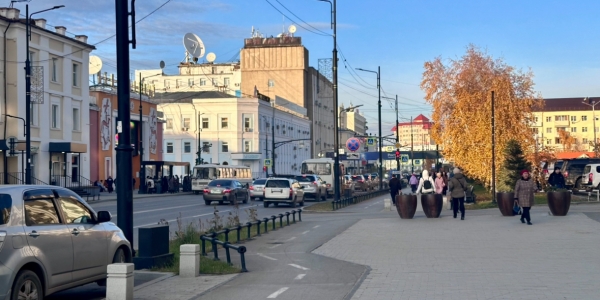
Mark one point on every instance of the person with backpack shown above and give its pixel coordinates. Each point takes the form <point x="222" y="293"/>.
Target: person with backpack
<point x="426" y="184"/>
<point x="457" y="185"/>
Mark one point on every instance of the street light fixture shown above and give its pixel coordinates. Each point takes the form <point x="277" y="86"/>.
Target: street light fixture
<point x="379" y="115"/>
<point x="28" y="90"/>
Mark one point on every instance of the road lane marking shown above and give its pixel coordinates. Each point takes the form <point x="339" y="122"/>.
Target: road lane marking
<point x="290" y="239"/>
<point x="306" y="232"/>
<point x="316" y="226"/>
<point x="267" y="257"/>
<point x="299" y="267"/>
<point x="275" y="246"/>
<point x="300" y="276"/>
<point x="279" y="292"/>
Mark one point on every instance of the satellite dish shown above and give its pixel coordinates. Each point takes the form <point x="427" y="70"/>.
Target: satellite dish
<point x="95" y="65"/>
<point x="292" y="29"/>
<point x="194" y="45"/>
<point x="162" y="64"/>
<point x="211" y="57"/>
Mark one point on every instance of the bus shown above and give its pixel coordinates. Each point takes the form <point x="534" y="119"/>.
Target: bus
<point x="322" y="167"/>
<point x="203" y="174"/>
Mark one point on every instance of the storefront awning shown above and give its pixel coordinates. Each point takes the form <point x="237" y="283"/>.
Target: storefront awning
<point x="68" y="147"/>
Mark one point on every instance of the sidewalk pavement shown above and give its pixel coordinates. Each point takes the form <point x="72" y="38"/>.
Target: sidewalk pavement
<point x="176" y="288"/>
<point x="487" y="256"/>
<point x="106" y="196"/>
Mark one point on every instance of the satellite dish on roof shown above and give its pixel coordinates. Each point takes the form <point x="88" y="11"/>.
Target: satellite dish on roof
<point x="292" y="29"/>
<point x="193" y="45"/>
<point x="211" y="57"/>
<point x="95" y="65"/>
<point x="162" y="64"/>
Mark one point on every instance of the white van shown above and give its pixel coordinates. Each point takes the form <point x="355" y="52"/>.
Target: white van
<point x="283" y="190"/>
<point x="591" y="176"/>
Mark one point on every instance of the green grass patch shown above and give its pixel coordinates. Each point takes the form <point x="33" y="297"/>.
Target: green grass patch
<point x="322" y="206"/>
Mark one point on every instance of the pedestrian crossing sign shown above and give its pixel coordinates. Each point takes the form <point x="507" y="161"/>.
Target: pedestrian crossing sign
<point x="404" y="158"/>
<point x="371" y="141"/>
<point x="267" y="162"/>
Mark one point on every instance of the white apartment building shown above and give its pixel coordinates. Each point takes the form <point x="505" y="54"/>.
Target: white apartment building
<point x="192" y="77"/>
<point x="234" y="131"/>
<point x="320" y="110"/>
<point x="60" y="97"/>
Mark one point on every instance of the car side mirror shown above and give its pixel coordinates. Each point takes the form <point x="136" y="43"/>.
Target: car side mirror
<point x="104" y="216"/>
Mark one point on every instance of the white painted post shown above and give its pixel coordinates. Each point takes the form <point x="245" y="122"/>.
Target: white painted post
<point x="189" y="260"/>
<point x="119" y="283"/>
<point x="387" y="204"/>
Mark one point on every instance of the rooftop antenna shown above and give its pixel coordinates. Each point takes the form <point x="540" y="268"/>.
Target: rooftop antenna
<point x="292" y="29"/>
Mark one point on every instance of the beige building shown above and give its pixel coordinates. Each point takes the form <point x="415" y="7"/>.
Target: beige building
<point x="351" y="123"/>
<point x="60" y="101"/>
<point x="573" y="116"/>
<point x="416" y="134"/>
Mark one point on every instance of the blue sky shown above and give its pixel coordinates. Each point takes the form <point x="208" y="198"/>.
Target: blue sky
<point x="558" y="40"/>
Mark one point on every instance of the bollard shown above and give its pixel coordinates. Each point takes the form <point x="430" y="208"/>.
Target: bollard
<point x="333" y="205"/>
<point x="280" y="220"/>
<point x="249" y="227"/>
<point x="258" y="227"/>
<point x="241" y="251"/>
<point x="214" y="246"/>
<point x="287" y="215"/>
<point x="189" y="261"/>
<point x="119" y="282"/>
<point x="239" y="228"/>
<point x="299" y="215"/>
<point x="203" y="245"/>
<point x="226" y="234"/>
<point x="227" y="255"/>
<point x="294" y="216"/>
<point x="273" y="220"/>
<point x="387" y="204"/>
<point x="266" y="224"/>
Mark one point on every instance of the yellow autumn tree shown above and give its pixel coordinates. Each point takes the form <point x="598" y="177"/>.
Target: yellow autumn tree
<point x="460" y="94"/>
<point x="566" y="140"/>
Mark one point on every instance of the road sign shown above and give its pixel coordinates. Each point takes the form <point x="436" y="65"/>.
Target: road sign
<point x="267" y="162"/>
<point x="404" y="158"/>
<point x="371" y="141"/>
<point x="389" y="149"/>
<point x="352" y="156"/>
<point x="417" y="161"/>
<point x="353" y="144"/>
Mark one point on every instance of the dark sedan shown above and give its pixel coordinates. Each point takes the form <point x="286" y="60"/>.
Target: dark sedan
<point x="226" y="190"/>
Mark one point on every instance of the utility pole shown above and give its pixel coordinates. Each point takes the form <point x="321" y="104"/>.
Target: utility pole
<point x="273" y="140"/>
<point x="397" y="137"/>
<point x="412" y="153"/>
<point x="379" y="114"/>
<point x="124" y="149"/>
<point x="142" y="189"/>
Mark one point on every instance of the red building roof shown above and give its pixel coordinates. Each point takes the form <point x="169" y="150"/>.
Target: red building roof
<point x="574" y="155"/>
<point x="420" y="120"/>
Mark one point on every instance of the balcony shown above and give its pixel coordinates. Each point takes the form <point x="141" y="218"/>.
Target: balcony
<point x="561" y="124"/>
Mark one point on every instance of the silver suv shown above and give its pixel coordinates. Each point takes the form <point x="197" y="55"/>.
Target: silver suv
<point x="51" y="240"/>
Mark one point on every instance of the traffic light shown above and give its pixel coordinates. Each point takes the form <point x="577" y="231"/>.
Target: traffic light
<point x="197" y="161"/>
<point x="397" y="153"/>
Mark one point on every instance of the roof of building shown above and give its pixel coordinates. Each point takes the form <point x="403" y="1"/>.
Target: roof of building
<point x="567" y="104"/>
<point x="187" y="97"/>
<point x="419" y="120"/>
<point x="574" y="155"/>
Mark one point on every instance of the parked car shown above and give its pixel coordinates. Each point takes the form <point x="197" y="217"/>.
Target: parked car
<point x="360" y="183"/>
<point x="548" y="168"/>
<point x="256" y="188"/>
<point x="51" y="240"/>
<point x="226" y="190"/>
<point x="591" y="176"/>
<point x="349" y="182"/>
<point x="313" y="187"/>
<point x="283" y="190"/>
<point x="573" y="171"/>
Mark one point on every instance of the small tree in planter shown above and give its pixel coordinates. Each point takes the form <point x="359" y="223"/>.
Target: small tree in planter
<point x="509" y="174"/>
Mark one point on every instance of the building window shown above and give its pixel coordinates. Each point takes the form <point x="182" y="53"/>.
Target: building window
<point x="583" y="118"/>
<point x="224" y="147"/>
<point x="75" y="75"/>
<point x="548" y="119"/>
<point x="247" y="146"/>
<point x="560" y="118"/>
<point x="191" y="82"/>
<point x="55" y="116"/>
<point x="186" y="122"/>
<point x="584" y="141"/>
<point x="535" y="119"/>
<point x="548" y="141"/>
<point x="573" y="129"/>
<point x="584" y="129"/>
<point x="548" y="130"/>
<point x="177" y="83"/>
<point x="54" y="70"/>
<point x="187" y="147"/>
<point x="206" y="147"/>
<point x="226" y="81"/>
<point x="202" y="82"/>
<point x="169" y="147"/>
<point x="224" y="123"/>
<point x="559" y="129"/>
<point x="573" y="118"/>
<point x="247" y="123"/>
<point x="170" y="123"/>
<point x="557" y="140"/>
<point x="204" y="123"/>
<point x="535" y="130"/>
<point x="214" y="70"/>
<point x="167" y="84"/>
<point x="76" y="119"/>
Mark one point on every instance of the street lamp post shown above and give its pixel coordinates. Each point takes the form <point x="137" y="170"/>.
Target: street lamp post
<point x="593" y="105"/>
<point x="28" y="90"/>
<point x="397" y="134"/>
<point x="142" y="189"/>
<point x="379" y="115"/>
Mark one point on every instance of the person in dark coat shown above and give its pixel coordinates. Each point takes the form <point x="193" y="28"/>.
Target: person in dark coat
<point x="524" y="195"/>
<point x="109" y="184"/>
<point x="557" y="179"/>
<point x="394" y="188"/>
<point x="165" y="184"/>
<point x="457" y="185"/>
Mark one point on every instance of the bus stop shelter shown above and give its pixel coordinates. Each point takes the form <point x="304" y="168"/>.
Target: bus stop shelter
<point x="156" y="169"/>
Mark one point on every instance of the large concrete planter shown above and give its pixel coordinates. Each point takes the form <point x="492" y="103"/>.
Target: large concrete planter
<point x="506" y="202"/>
<point x="406" y="205"/>
<point x="559" y="203"/>
<point x="432" y="205"/>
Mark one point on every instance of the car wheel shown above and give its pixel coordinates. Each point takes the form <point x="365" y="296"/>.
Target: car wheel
<point x="266" y="204"/>
<point x="207" y="202"/>
<point x="27" y="285"/>
<point x="119" y="257"/>
<point x="247" y="199"/>
<point x="578" y="184"/>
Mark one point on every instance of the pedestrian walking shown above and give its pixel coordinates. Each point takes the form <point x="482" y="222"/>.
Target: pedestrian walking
<point x="556" y="179"/>
<point x="445" y="178"/>
<point x="413" y="183"/>
<point x="109" y="184"/>
<point x="457" y="186"/>
<point x="426" y="184"/>
<point x="439" y="183"/>
<point x="395" y="186"/>
<point x="171" y="185"/>
<point x="524" y="190"/>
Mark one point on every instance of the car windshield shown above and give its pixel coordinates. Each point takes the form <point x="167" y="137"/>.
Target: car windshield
<point x="259" y="182"/>
<point x="306" y="178"/>
<point x="5" y="205"/>
<point x="278" y="183"/>
<point x="219" y="183"/>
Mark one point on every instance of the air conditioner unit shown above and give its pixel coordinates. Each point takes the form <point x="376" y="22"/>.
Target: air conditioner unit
<point x="160" y="114"/>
